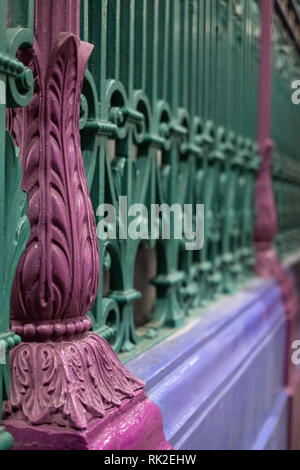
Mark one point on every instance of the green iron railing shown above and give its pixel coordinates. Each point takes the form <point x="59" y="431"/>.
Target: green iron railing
<point x="16" y="88"/>
<point x="169" y="115"/>
<point x="285" y="133"/>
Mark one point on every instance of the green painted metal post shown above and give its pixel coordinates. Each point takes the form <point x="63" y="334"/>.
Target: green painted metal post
<point x="16" y="87"/>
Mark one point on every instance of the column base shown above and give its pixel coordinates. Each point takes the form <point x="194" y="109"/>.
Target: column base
<point x="76" y="394"/>
<point x="6" y="439"/>
<point x="136" y="425"/>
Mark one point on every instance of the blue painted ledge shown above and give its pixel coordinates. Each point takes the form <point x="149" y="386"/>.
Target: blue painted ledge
<point x="219" y="381"/>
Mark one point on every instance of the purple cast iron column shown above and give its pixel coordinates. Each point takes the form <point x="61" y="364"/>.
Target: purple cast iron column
<point x="267" y="263"/>
<point x="69" y="390"/>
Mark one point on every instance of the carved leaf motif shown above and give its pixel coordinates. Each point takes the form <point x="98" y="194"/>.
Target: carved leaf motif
<point x="58" y="274"/>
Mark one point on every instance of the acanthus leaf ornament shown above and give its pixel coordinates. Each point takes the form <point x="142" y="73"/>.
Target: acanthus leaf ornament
<point x="60" y="212"/>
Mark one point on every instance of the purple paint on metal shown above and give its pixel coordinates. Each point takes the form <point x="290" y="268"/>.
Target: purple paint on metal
<point x="219" y="383"/>
<point x="293" y="371"/>
<point x="267" y="262"/>
<point x="68" y="386"/>
<point x="136" y="426"/>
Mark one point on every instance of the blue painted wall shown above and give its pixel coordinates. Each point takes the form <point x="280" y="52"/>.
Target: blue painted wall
<point x="219" y="381"/>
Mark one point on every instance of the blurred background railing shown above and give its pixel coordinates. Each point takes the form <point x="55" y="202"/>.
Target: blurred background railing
<point x="285" y="131"/>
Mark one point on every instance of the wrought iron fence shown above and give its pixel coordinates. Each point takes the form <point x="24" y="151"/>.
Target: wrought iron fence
<point x="169" y="115"/>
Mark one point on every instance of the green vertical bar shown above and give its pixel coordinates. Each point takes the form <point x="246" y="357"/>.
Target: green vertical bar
<point x="151" y="51"/>
<point x="214" y="63"/>
<point x="166" y="50"/>
<point x="162" y="43"/>
<point x="183" y="70"/>
<point x="230" y="82"/>
<point x="207" y="70"/>
<point x="173" y="61"/>
<point x="84" y="20"/>
<point x="96" y="18"/>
